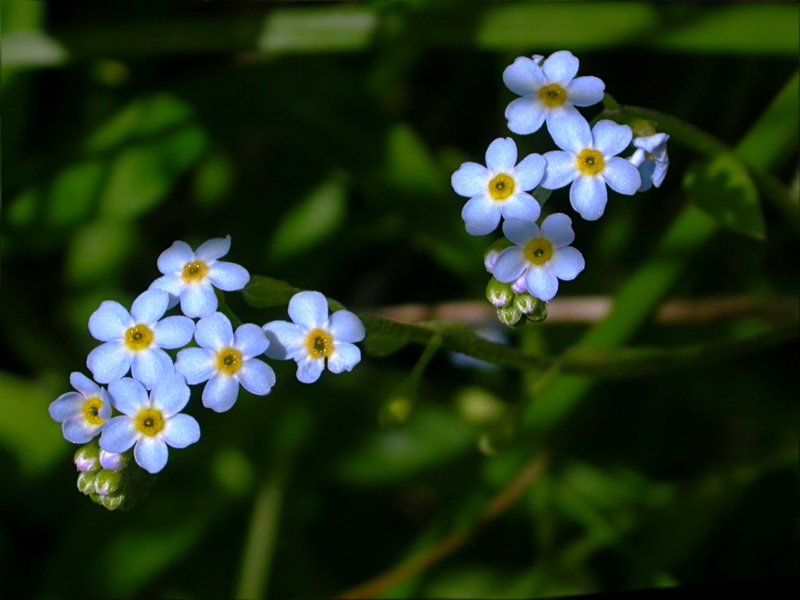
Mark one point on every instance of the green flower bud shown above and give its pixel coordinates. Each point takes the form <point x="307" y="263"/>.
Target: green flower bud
<point x="113" y="502"/>
<point x="499" y="294"/>
<point x="107" y="482"/>
<point x="86" y="482"/>
<point x="643" y="128"/>
<point x="510" y="315"/>
<point x="526" y="303"/>
<point x="395" y="412"/>
<point x="87" y="458"/>
<point x="539" y="312"/>
<point x="493" y="251"/>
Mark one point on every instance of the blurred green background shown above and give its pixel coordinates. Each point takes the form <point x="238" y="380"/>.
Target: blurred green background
<point x="321" y="136"/>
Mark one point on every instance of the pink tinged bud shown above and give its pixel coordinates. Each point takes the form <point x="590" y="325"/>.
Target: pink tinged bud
<point x="519" y="286"/>
<point x="113" y="462"/>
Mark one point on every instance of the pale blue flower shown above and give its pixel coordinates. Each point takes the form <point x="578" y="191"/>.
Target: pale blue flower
<point x="540" y="257"/>
<point x="500" y="188"/>
<point x="226" y="359"/>
<point x="588" y="161"/>
<point x="651" y="159"/>
<point x="312" y="337"/>
<point x="134" y="340"/>
<point x="193" y="275"/>
<point x="150" y="423"/>
<point x="549" y="92"/>
<point x="83" y="413"/>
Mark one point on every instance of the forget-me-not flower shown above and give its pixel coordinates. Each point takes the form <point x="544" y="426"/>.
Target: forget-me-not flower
<point x="540" y="256"/>
<point x="226" y="359"/>
<point x="135" y="340"/>
<point x="151" y="423"/>
<point x="588" y="160"/>
<point x="651" y="159"/>
<point x="312" y="337"/>
<point x="192" y="275"/>
<point x="500" y="188"/>
<point x="83" y="413"/>
<point x="549" y="91"/>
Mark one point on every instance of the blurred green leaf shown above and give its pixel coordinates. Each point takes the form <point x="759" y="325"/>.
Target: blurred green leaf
<point x="266" y="292"/>
<point x="722" y="187"/>
<point x="98" y="249"/>
<point x="318" y="29"/>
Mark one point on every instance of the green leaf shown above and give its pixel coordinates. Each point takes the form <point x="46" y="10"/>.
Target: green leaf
<point x="722" y="187"/>
<point x="266" y="292"/>
<point x="382" y="338"/>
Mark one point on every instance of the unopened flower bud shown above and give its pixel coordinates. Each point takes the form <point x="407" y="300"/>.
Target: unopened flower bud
<point x="643" y="128"/>
<point x="107" y="482"/>
<point x="499" y="294"/>
<point x="86" y="482"/>
<point x="111" y="461"/>
<point x="493" y="251"/>
<point x="86" y="458"/>
<point x="509" y="315"/>
<point x="518" y="286"/>
<point x="111" y="502"/>
<point x="395" y="412"/>
<point x="526" y="303"/>
<point x="539" y="312"/>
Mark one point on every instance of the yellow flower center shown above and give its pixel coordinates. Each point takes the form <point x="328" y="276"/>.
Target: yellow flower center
<point x="552" y="95"/>
<point x="91" y="411"/>
<point x="590" y="162"/>
<point x="194" y="272"/>
<point x="539" y="251"/>
<point x="138" y="337"/>
<point x="319" y="343"/>
<point x="649" y="156"/>
<point x="149" y="421"/>
<point x="229" y="361"/>
<point x="501" y="187"/>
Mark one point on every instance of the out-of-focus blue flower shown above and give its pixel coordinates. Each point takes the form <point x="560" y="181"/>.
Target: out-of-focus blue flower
<point x="541" y="256"/>
<point x="500" y="188"/>
<point x="192" y="275"/>
<point x="134" y="340"/>
<point x="550" y="92"/>
<point x="150" y="423"/>
<point x="588" y="161"/>
<point x="83" y="413"/>
<point x="313" y="338"/>
<point x="226" y="359"/>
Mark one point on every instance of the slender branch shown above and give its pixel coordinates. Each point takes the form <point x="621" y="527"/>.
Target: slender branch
<point x="527" y="475"/>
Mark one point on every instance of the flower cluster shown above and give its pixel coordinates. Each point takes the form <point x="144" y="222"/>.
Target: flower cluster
<point x="138" y="415"/>
<point x="527" y="265"/>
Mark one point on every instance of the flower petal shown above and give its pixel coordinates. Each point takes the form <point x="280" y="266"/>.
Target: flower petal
<point x="66" y="406"/>
<point x="525" y="115"/>
<point x="501" y="155"/>
<point x="228" y="276"/>
<point x="345" y="358"/>
<point x="611" y="138"/>
<point x="150" y="366"/>
<point x="83" y="384"/>
<point x="173" y="259"/>
<point x="541" y="283"/>
<point x="523" y="76"/>
<point x="214" y="332"/>
<point x="149" y="307"/>
<point x="257" y="377"/>
<point x="586" y="91"/>
<point x="128" y="396"/>
<point x="520" y="232"/>
<point x="646" y="170"/>
<point x="309" y="369"/>
<point x="567" y="262"/>
<point x="470" y="179"/>
<point x="119" y="434"/>
<point x="109" y="322"/>
<point x="78" y="431"/>
<point x="621" y="176"/>
<point x="285" y="340"/>
<point x="172" y="284"/>
<point x="660" y="171"/>
<point x="220" y="393"/>
<point x="309" y="310"/>
<point x="588" y="196"/>
<point x="181" y="431"/>
<point x="173" y="332"/>
<point x="560" y="67"/>
<point x="198" y="300"/>
<point x="557" y="229"/>
<point x="528" y="173"/>
<point x="561" y="169"/>
<point x="521" y="206"/>
<point x="151" y="453"/>
<point x="481" y="215"/>
<point x="510" y="264"/>
<point x="171" y="394"/>
<point x="570" y="132"/>
<point x="195" y="364"/>
<point x="250" y="340"/>
<point x="346" y="327"/>
<point x="213" y="249"/>
<point x="108" y="362"/>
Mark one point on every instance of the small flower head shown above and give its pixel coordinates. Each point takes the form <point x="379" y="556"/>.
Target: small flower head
<point x="540" y="257"/>
<point x="500" y="188"/>
<point x="134" y="341"/>
<point x="651" y="159"/>
<point x="313" y="339"/>
<point x="192" y="275"/>
<point x="549" y="92"/>
<point x="150" y="423"/>
<point x="588" y="160"/>
<point x="83" y="413"/>
<point x="226" y="359"/>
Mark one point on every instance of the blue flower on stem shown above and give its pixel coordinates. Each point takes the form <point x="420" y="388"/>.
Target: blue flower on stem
<point x="500" y="188"/>
<point x="312" y="337"/>
<point x="134" y="340"/>
<point x="150" y="423"/>
<point x="540" y="257"/>
<point x="82" y="414"/>
<point x="226" y="359"/>
<point x="588" y="161"/>
<point x="192" y="275"/>
<point x="651" y="159"/>
<point x="549" y="92"/>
